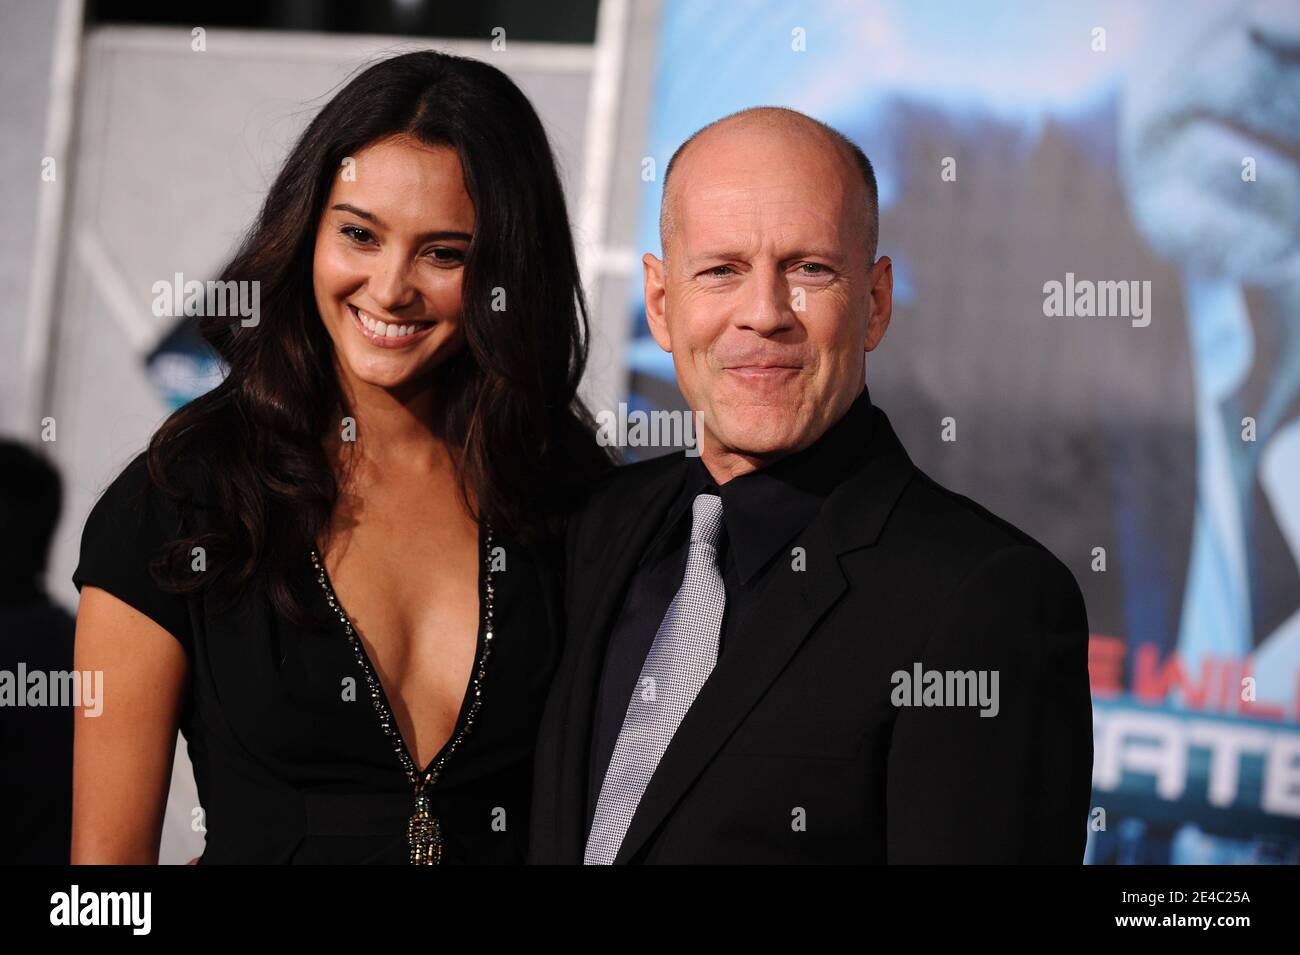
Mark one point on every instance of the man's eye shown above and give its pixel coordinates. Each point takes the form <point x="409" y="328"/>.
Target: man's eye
<point x="356" y="233"/>
<point x="818" y="268"/>
<point x="719" y="271"/>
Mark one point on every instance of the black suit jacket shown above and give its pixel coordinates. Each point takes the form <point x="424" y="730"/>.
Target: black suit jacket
<point x="793" y="752"/>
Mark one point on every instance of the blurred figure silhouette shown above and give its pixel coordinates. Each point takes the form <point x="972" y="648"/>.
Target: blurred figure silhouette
<point x="37" y="635"/>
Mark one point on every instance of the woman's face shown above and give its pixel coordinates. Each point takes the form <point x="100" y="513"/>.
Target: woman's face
<point x="390" y="260"/>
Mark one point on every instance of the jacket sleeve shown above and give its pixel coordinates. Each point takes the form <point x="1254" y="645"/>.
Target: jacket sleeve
<point x="1007" y="781"/>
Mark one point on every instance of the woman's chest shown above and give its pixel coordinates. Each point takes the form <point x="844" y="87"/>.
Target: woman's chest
<point x="296" y="698"/>
<point x="415" y="603"/>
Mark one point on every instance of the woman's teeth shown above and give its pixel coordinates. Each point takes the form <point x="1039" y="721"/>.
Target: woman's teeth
<point x="387" y="330"/>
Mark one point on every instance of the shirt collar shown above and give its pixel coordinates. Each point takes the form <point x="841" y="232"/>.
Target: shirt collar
<point x="764" y="509"/>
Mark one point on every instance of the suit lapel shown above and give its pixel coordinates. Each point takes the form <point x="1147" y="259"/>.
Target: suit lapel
<point x="789" y="608"/>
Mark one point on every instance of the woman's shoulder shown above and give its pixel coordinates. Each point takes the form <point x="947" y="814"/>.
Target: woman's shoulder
<point x="125" y="500"/>
<point x="130" y="528"/>
<point x="135" y="492"/>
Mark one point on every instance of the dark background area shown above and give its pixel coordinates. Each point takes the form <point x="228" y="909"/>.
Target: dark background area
<point x="569" y="22"/>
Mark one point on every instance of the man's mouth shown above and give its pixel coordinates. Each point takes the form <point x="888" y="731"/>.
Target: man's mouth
<point x="388" y="334"/>
<point x="1242" y="127"/>
<point x="763" y="372"/>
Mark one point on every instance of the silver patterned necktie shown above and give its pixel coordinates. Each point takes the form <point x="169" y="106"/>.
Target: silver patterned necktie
<point x="681" y="658"/>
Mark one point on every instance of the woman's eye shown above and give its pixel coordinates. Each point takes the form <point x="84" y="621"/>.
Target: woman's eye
<point x="444" y="254"/>
<point x="356" y="233"/>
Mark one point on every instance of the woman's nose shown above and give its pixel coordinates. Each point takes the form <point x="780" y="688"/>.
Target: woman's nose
<point x="390" y="285"/>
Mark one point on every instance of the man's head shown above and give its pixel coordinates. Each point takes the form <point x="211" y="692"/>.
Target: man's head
<point x="769" y="293"/>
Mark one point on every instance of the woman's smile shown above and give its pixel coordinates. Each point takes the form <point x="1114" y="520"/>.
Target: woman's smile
<point x="388" y="334"/>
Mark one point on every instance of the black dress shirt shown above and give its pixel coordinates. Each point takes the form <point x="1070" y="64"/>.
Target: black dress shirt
<point x="762" y="511"/>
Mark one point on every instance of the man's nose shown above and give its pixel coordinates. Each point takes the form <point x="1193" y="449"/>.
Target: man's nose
<point x="769" y="308"/>
<point x="390" y="284"/>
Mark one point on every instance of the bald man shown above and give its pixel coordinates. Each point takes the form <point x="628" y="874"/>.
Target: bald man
<point x="796" y="647"/>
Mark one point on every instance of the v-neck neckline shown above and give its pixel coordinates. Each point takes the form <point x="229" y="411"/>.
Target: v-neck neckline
<point x="379" y="695"/>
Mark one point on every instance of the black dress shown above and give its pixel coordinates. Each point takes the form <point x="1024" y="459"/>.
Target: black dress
<point x="295" y="755"/>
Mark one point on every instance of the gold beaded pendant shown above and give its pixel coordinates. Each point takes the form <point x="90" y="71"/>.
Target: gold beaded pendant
<point x="424" y="834"/>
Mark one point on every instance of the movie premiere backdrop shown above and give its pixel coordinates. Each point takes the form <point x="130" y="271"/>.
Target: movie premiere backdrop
<point x="1094" y="220"/>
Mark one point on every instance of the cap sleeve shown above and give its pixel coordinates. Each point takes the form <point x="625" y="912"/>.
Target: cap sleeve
<point x="126" y="531"/>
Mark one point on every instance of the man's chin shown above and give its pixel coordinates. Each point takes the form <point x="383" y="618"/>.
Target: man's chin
<point x="759" y="433"/>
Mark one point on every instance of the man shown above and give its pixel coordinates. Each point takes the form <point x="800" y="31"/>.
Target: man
<point x="796" y="647"/>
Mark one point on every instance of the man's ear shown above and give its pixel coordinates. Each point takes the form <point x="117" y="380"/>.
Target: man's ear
<point x="882" y="301"/>
<point x="654" y="301"/>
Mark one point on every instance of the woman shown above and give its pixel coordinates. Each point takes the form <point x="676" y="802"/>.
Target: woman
<point x="335" y="572"/>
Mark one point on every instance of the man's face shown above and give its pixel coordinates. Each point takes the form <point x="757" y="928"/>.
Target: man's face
<point x="767" y="297"/>
<point x="1221" y="87"/>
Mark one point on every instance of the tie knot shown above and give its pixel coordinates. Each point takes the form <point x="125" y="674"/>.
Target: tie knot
<point x="706" y="520"/>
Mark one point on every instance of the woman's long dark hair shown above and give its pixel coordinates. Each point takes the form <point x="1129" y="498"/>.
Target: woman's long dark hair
<point x="507" y="406"/>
